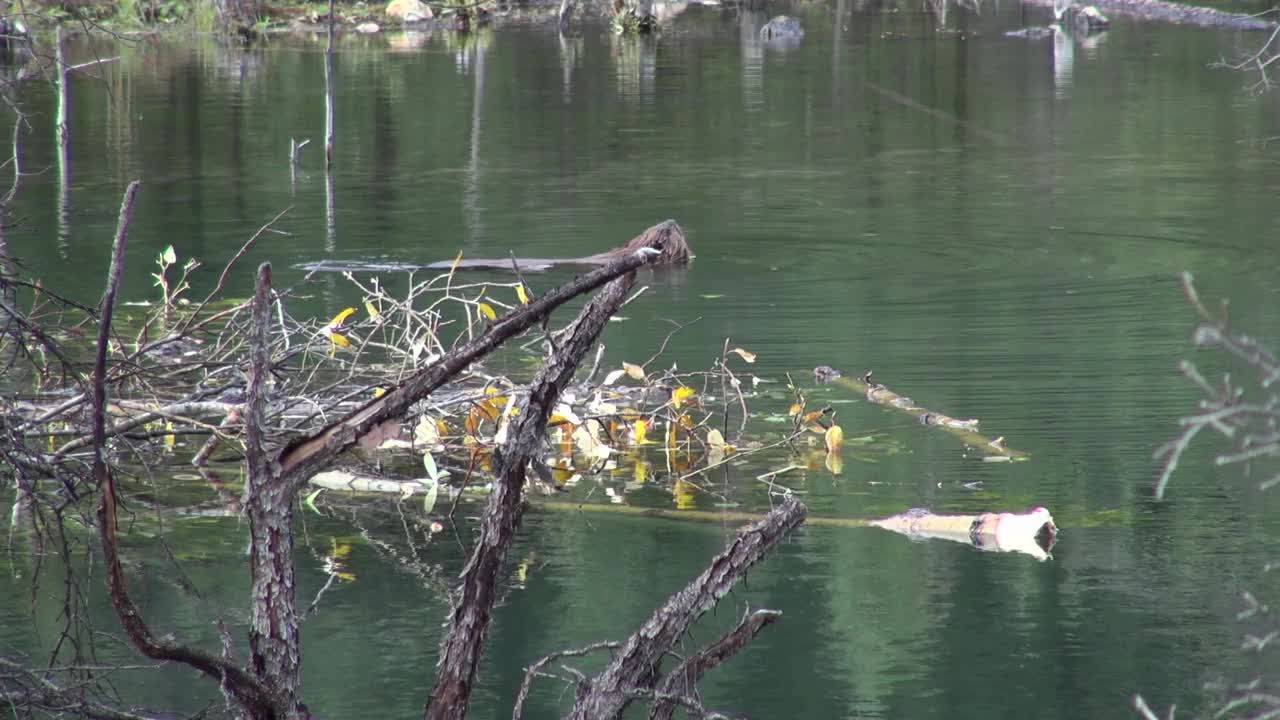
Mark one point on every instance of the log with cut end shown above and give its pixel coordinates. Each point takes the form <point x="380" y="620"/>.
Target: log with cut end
<point x="966" y="430"/>
<point x="1033" y="532"/>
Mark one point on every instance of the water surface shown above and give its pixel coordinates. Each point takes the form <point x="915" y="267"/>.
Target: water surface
<point x="994" y="226"/>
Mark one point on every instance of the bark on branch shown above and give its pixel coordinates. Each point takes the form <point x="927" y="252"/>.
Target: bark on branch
<point x="636" y="666"/>
<point x="682" y="680"/>
<point x="462" y="646"/>
<point x="273" y="628"/>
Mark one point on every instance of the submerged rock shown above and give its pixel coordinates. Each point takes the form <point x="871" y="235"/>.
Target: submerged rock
<point x="782" y="31"/>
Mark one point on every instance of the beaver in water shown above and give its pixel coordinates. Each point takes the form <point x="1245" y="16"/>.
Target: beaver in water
<point x="667" y="235"/>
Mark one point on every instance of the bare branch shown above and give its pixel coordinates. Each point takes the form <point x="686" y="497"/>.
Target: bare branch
<point x="461" y="648"/>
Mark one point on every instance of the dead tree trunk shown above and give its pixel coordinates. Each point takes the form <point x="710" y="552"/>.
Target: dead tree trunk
<point x="472" y="612"/>
<point x="273" y="630"/>
<point x="237" y="17"/>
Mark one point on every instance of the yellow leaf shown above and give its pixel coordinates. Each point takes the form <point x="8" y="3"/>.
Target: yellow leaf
<point x="169" y="440"/>
<point x="640" y="431"/>
<point x="641" y="472"/>
<point x="522" y="294"/>
<point x="750" y="357"/>
<point x="373" y="311"/>
<point x="336" y="322"/>
<point x="681" y="394"/>
<point x="682" y="493"/>
<point x="379" y="392"/>
<point x="426" y="432"/>
<point x="338" y="339"/>
<point x="715" y="439"/>
<point x="486" y="311"/>
<point x="810" y="417"/>
<point x="796" y="409"/>
<point x="488" y="409"/>
<point x="613" y="376"/>
<point x="835" y="438"/>
<point x="835" y="463"/>
<point x="634" y="371"/>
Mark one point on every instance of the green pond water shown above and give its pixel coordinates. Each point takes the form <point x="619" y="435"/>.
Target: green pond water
<point x="993" y="225"/>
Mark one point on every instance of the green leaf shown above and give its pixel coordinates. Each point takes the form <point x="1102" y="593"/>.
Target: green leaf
<point x="169" y="257"/>
<point x="429" y="501"/>
<point x="429" y="463"/>
<point x="310" y="501"/>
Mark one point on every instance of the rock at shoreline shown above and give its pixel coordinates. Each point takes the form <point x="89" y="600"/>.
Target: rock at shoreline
<point x="409" y="10"/>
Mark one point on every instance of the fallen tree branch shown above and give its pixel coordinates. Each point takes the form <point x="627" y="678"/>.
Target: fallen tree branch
<point x="536" y="669"/>
<point x="635" y="668"/>
<point x="682" y="680"/>
<point x="966" y="430"/>
<point x="302" y="458"/>
<point x="25" y="689"/>
<point x="180" y="412"/>
<point x="460" y="651"/>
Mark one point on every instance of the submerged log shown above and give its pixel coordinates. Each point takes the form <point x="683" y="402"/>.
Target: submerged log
<point x="966" y="430"/>
<point x="675" y="251"/>
<point x="1033" y="533"/>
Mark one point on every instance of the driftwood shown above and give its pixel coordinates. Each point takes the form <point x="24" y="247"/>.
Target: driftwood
<point x="675" y="251"/>
<point x="1033" y="533"/>
<point x="966" y="430"/>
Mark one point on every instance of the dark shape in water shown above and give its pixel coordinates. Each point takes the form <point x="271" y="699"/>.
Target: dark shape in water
<point x="782" y="32"/>
<point x="667" y="234"/>
<point x="1036" y="32"/>
<point x="824" y="374"/>
<point x="1089" y="19"/>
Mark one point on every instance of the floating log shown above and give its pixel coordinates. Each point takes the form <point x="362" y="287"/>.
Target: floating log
<point x="1033" y="532"/>
<point x="966" y="430"/>
<point x="343" y="480"/>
